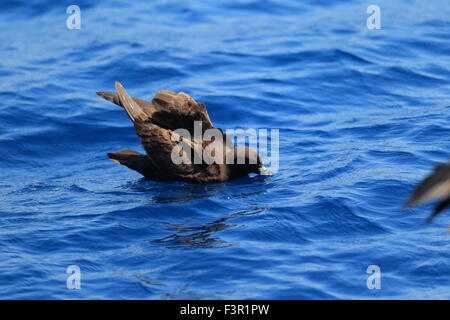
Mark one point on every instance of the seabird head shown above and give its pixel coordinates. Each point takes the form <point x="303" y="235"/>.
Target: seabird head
<point x="247" y="161"/>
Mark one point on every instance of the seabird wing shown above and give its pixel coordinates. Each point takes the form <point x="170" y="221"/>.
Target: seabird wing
<point x="134" y="111"/>
<point x="434" y="186"/>
<point x="168" y="109"/>
<point x="179" y="111"/>
<point x="165" y="148"/>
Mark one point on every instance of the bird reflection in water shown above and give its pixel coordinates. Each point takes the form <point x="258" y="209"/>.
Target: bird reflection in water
<point x="189" y="234"/>
<point x="203" y="236"/>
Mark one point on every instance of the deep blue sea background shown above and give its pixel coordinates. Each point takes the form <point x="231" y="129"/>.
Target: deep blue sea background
<point x="363" y="116"/>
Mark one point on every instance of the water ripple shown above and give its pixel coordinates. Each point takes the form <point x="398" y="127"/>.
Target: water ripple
<point x="361" y="113"/>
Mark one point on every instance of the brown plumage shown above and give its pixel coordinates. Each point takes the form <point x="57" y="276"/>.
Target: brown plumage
<point x="155" y="123"/>
<point x="434" y="186"/>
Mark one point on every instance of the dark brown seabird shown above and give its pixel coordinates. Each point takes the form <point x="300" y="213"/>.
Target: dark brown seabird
<point x="434" y="186"/>
<point x="155" y="123"/>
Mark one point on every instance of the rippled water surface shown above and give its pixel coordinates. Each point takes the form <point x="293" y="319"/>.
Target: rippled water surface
<point x="363" y="116"/>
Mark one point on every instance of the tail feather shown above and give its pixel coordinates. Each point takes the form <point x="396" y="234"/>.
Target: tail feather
<point x="138" y="162"/>
<point x="122" y="156"/>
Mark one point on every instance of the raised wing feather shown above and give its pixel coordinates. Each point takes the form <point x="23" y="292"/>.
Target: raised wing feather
<point x="169" y="110"/>
<point x="179" y="110"/>
<point x="146" y="106"/>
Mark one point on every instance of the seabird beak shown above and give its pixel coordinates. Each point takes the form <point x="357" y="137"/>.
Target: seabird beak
<point x="263" y="171"/>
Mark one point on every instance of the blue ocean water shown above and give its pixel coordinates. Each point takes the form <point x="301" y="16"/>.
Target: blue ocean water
<point x="363" y="116"/>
